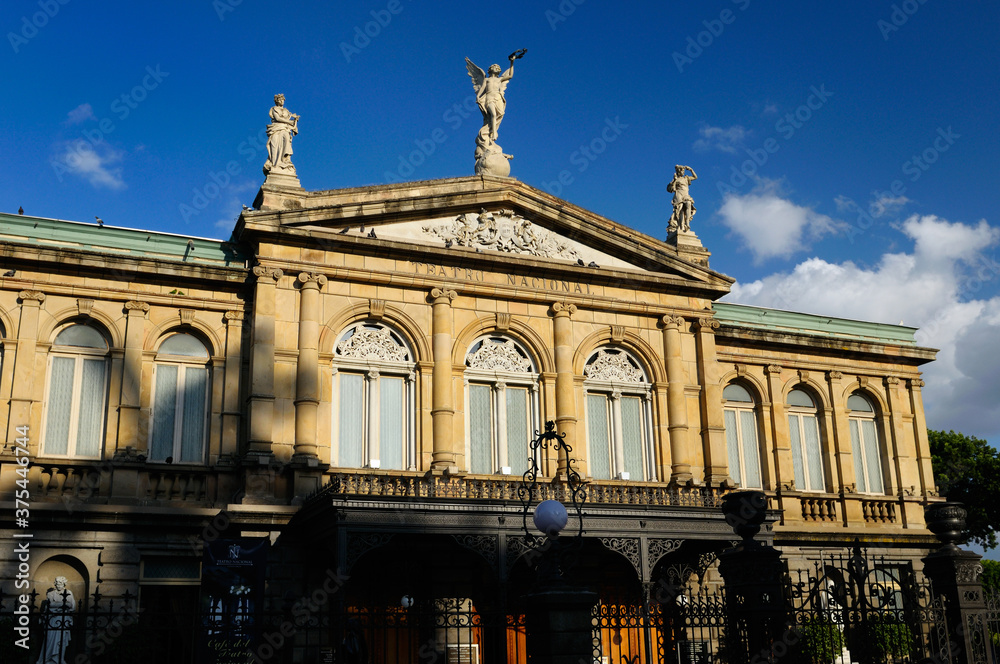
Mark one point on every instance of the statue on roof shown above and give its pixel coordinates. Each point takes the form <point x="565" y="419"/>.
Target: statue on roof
<point x="490" y="87"/>
<point x="284" y="125"/>
<point x="684" y="208"/>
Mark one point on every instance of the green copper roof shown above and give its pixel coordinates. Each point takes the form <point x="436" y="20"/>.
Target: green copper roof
<point x="56" y="233"/>
<point x="741" y="315"/>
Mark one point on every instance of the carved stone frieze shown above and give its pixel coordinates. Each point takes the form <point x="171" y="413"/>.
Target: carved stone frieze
<point x="503" y="230"/>
<point x="498" y="356"/>
<point x="613" y="367"/>
<point x="372" y="345"/>
<point x="485" y="545"/>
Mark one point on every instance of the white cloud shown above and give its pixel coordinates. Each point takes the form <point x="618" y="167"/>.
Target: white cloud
<point x="772" y="226"/>
<point x="80" y="114"/>
<point x="80" y="158"/>
<point x="937" y="288"/>
<point x="724" y="140"/>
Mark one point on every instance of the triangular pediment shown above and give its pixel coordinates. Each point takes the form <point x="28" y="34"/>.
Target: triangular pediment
<point x="480" y="218"/>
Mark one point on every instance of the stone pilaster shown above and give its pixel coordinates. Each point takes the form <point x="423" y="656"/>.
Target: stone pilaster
<point x="131" y="402"/>
<point x="444" y="456"/>
<point x="895" y="441"/>
<point x="262" y="361"/>
<point x="923" y="448"/>
<point x="307" y="368"/>
<point x="231" y="384"/>
<point x="23" y="389"/>
<point x="562" y="327"/>
<point x="713" y="422"/>
<point x="680" y="455"/>
<point x="842" y="451"/>
<point x="779" y="466"/>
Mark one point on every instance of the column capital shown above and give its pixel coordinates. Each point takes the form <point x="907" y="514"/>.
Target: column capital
<point x="773" y="369"/>
<point x="234" y="317"/>
<point x="311" y="280"/>
<point x="31" y="296"/>
<point x="136" y="308"/>
<point x="443" y="295"/>
<point x="833" y="376"/>
<point x="271" y="274"/>
<point x="670" y="321"/>
<point x="563" y="309"/>
<point x="891" y="381"/>
<point x="916" y="383"/>
<point x="708" y="325"/>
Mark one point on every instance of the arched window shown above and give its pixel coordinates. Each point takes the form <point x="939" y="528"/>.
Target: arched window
<point x="373" y="397"/>
<point x="803" y="431"/>
<point x="864" y="445"/>
<point x="77" y="393"/>
<point x="502" y="405"/>
<point x="180" y="400"/>
<point x="619" y="424"/>
<point x="741" y="437"/>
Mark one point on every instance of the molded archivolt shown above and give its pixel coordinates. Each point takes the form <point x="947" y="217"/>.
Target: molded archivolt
<point x="394" y="317"/>
<point x="518" y="331"/>
<point x="48" y="329"/>
<point x="877" y="398"/>
<point x="196" y="328"/>
<point x="649" y="361"/>
<point x="815" y="389"/>
<point x="6" y="325"/>
<point x="757" y="389"/>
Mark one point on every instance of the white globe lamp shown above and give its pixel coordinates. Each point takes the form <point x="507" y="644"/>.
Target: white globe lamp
<point x="550" y="517"/>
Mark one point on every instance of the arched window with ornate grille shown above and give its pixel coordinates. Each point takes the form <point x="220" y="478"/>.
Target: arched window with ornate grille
<point x="619" y="421"/>
<point x="740" y="412"/>
<point x="373" y="398"/>
<point x="501" y="396"/>
<point x="76" y="403"/>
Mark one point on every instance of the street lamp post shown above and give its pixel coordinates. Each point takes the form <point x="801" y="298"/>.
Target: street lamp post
<point x="559" y="622"/>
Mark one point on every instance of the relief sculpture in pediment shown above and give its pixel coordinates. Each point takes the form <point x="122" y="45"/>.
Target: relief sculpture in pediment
<point x="504" y="230"/>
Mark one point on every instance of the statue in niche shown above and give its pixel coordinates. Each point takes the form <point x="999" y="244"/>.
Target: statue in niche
<point x="490" y="87"/>
<point x="57" y="619"/>
<point x="284" y="125"/>
<point x="684" y="208"/>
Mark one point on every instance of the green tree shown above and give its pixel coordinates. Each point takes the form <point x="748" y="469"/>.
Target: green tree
<point x="967" y="469"/>
<point x="991" y="576"/>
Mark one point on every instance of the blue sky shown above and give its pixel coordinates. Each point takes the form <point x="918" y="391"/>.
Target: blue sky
<point x="846" y="152"/>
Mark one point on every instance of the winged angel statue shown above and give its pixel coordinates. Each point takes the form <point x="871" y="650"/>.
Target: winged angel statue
<point x="490" y="87"/>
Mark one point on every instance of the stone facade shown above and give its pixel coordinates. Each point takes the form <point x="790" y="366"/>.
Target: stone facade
<point x="398" y="343"/>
